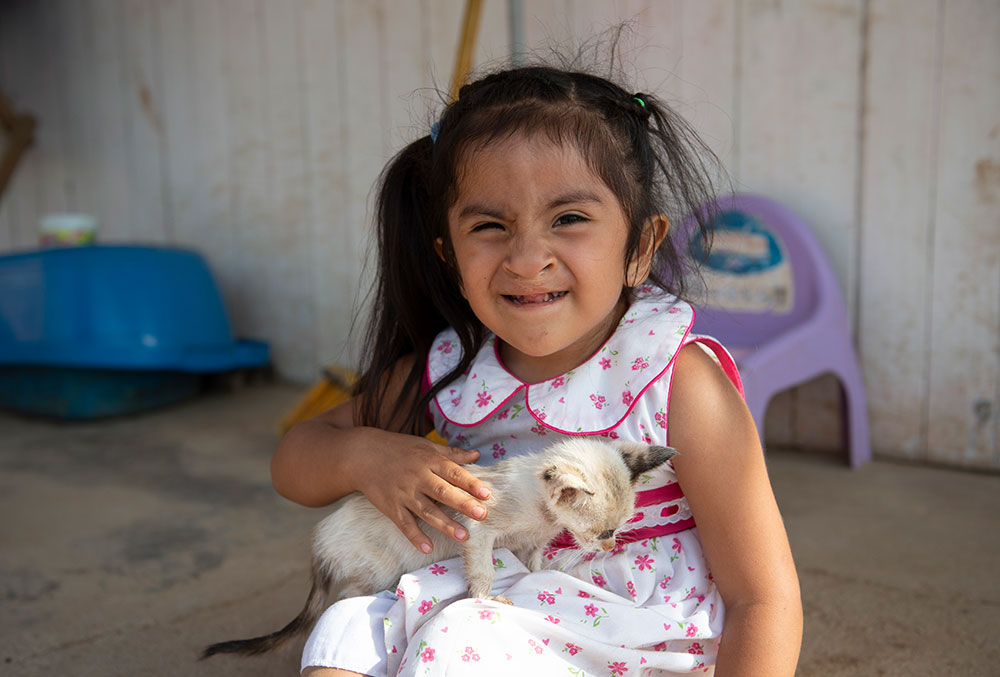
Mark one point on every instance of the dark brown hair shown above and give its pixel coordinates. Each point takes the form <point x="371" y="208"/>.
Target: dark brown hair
<point x="647" y="155"/>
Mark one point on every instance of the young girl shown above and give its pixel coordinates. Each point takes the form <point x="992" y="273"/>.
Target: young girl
<point x="528" y="290"/>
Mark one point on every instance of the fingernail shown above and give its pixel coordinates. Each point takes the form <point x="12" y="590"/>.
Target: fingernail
<point x="484" y="492"/>
<point x="479" y="512"/>
<point x="461" y="534"/>
<point x="426" y="547"/>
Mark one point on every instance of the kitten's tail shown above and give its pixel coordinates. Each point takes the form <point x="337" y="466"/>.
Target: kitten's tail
<point x="315" y="605"/>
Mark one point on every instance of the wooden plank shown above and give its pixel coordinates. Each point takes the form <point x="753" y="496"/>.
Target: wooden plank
<point x="142" y="98"/>
<point x="493" y="44"/>
<point x="107" y="151"/>
<point x="965" y="269"/>
<point x="7" y="56"/>
<point x="201" y="145"/>
<point x="706" y="80"/>
<point x="178" y="109"/>
<point x="74" y="35"/>
<point x="363" y="160"/>
<point x="53" y="110"/>
<point x="249" y="163"/>
<point x="442" y="30"/>
<point x="18" y="203"/>
<point x="798" y="131"/>
<point x="897" y="213"/>
<point x="409" y="105"/>
<point x="326" y="90"/>
<point x="290" y="310"/>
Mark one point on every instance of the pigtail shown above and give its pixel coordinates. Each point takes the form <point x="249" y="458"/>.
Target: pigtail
<point x="415" y="293"/>
<point x="403" y="318"/>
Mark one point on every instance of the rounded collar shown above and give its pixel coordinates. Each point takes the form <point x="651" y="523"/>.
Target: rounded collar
<point x="604" y="389"/>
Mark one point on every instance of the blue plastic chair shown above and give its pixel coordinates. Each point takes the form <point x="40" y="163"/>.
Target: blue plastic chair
<point x="774" y="301"/>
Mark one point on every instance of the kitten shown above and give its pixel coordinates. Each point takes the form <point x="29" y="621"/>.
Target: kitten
<point x="583" y="485"/>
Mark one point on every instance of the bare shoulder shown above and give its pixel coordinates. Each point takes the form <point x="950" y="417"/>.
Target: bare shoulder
<point x="722" y="472"/>
<point x="706" y="409"/>
<point x="720" y="461"/>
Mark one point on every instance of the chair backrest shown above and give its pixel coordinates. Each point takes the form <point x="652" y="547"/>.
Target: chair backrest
<point x="765" y="274"/>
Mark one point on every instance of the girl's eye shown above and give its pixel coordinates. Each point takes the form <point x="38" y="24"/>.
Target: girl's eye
<point x="486" y="226"/>
<point x="566" y="219"/>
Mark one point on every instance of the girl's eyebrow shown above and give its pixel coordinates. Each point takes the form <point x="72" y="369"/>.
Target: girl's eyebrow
<point x="574" y="197"/>
<point x="479" y="209"/>
<point x="571" y="197"/>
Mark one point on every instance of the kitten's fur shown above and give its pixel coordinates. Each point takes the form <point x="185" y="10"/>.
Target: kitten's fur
<point x="584" y="485"/>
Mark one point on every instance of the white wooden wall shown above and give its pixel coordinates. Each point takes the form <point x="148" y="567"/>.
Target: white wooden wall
<point x="253" y="130"/>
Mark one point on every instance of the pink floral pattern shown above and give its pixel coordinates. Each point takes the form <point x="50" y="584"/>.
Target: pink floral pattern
<point x="630" y="358"/>
<point x="615" y="603"/>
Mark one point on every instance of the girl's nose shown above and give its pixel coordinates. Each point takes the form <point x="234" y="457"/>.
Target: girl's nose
<point x="529" y="255"/>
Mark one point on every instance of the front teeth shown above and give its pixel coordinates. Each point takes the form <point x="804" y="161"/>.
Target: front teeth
<point x="551" y="296"/>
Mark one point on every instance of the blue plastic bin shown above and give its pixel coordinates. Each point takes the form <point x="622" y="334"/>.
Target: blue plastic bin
<point x="104" y="330"/>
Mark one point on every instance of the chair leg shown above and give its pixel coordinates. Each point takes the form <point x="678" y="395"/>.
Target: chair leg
<point x="854" y="413"/>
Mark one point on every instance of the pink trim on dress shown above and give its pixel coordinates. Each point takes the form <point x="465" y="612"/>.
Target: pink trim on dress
<point x="565" y="540"/>
<point x="631" y="405"/>
<point x="480" y="421"/>
<point x="668" y="492"/>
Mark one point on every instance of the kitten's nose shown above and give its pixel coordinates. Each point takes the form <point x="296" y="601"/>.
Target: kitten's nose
<point x="608" y="545"/>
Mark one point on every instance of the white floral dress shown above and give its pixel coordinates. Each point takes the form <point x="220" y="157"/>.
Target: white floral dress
<point x="648" y="607"/>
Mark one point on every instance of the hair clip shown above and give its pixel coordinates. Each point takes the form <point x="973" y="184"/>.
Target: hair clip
<point x="641" y="102"/>
<point x="435" y="128"/>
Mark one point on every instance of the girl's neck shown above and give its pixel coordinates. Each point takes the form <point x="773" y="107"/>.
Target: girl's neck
<point x="536" y="369"/>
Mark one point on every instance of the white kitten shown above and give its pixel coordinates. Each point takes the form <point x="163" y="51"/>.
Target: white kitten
<point x="583" y="485"/>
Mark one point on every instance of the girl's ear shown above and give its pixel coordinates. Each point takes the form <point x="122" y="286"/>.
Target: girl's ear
<point x="653" y="231"/>
<point x="439" y="248"/>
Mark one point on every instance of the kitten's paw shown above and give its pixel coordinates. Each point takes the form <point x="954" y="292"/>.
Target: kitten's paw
<point x="501" y="599"/>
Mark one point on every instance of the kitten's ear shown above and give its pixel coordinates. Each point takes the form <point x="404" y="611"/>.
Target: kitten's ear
<point x="565" y="488"/>
<point x="641" y="458"/>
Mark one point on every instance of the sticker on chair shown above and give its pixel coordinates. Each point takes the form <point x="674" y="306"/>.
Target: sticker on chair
<point x="748" y="269"/>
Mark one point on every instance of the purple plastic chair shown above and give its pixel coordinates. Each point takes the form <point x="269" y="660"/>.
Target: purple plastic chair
<point x="775" y="303"/>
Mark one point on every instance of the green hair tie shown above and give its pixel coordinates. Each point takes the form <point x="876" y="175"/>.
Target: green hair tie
<point x="641" y="102"/>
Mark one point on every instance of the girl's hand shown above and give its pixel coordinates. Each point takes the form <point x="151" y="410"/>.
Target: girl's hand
<point x="410" y="477"/>
<point x="404" y="476"/>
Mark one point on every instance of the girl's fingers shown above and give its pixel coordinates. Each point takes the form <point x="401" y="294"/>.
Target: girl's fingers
<point x="447" y="493"/>
<point x="408" y="526"/>
<point x="432" y="514"/>
<point x="462" y="478"/>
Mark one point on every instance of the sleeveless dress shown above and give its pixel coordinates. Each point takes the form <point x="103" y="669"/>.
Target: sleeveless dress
<point x="648" y="607"/>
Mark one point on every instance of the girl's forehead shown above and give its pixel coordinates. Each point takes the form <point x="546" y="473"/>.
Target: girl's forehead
<point x="528" y="161"/>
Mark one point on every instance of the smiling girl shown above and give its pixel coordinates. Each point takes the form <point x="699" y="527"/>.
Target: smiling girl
<point x="529" y="290"/>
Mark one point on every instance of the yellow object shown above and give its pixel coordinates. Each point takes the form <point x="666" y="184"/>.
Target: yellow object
<point x="334" y="389"/>
<point x="463" y="59"/>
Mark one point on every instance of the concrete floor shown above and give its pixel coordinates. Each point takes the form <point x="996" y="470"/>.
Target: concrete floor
<point x="126" y="545"/>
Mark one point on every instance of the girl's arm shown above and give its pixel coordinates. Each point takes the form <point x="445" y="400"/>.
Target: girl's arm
<point x="404" y="476"/>
<point x="721" y="469"/>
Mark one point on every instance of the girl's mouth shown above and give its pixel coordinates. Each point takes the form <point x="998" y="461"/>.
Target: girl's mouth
<point x="529" y="299"/>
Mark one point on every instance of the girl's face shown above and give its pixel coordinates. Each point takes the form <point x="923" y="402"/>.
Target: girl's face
<point x="539" y="241"/>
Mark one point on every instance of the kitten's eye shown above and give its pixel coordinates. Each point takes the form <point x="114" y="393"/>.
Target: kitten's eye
<point x="567" y="219"/>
